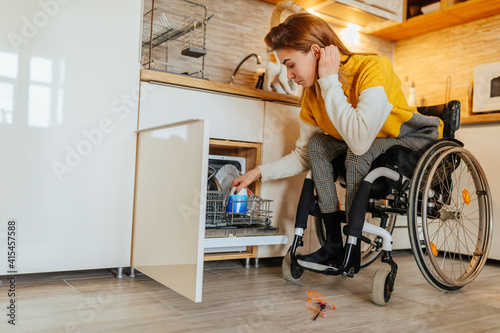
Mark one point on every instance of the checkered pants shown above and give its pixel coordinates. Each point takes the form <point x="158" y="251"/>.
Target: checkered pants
<point x="322" y="149"/>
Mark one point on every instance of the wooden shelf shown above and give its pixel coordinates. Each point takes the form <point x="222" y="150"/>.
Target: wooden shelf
<point x="460" y="13"/>
<point x="483" y="118"/>
<point x="149" y="75"/>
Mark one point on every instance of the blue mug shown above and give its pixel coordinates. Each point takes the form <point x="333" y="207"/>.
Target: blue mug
<point x="237" y="203"/>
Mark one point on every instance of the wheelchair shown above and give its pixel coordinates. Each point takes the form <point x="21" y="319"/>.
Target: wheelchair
<point x="445" y="196"/>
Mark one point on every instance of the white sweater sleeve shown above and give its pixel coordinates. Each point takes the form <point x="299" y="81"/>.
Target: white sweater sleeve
<point x="358" y="126"/>
<point x="296" y="161"/>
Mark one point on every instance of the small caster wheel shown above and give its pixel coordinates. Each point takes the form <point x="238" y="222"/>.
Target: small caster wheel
<point x="291" y="272"/>
<point x="381" y="287"/>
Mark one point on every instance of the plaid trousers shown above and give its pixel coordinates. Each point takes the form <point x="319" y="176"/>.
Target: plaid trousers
<point x="322" y="149"/>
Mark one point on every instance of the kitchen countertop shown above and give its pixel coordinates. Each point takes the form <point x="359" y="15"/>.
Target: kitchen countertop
<point x="148" y="75"/>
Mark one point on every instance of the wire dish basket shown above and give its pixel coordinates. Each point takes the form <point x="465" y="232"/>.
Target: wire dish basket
<point x="258" y="211"/>
<point x="215" y="210"/>
<point x="187" y="27"/>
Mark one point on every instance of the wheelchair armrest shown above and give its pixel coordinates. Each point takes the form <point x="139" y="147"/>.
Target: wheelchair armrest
<point x="449" y="113"/>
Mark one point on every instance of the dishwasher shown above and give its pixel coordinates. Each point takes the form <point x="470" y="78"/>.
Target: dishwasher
<point x="222" y="170"/>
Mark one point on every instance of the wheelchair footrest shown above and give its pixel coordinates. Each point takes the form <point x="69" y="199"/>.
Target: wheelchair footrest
<point x="315" y="266"/>
<point x="327" y="270"/>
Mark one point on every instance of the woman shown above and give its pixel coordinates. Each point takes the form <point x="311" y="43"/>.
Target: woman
<point x="352" y="103"/>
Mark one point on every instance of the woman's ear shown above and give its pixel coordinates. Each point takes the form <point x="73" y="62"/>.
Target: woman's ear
<point x="315" y="49"/>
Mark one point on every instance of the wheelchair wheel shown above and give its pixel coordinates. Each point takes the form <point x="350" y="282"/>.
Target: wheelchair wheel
<point x="290" y="271"/>
<point x="449" y="216"/>
<point x="370" y="250"/>
<point x="381" y="289"/>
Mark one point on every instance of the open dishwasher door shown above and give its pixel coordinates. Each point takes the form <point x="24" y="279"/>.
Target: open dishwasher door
<point x="170" y="205"/>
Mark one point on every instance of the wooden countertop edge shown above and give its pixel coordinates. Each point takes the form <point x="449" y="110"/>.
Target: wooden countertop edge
<point x="480" y="119"/>
<point x="148" y="75"/>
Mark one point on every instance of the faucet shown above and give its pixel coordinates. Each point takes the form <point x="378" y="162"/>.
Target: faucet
<point x="241" y="63"/>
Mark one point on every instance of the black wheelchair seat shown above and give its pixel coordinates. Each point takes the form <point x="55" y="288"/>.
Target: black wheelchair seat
<point x="398" y="158"/>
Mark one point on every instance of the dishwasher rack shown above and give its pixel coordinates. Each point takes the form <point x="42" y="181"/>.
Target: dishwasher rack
<point x="258" y="212"/>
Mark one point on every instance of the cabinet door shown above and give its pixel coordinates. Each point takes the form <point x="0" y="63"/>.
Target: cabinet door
<point x="169" y="208"/>
<point x="67" y="138"/>
<point x="281" y="131"/>
<point x="480" y="141"/>
<point x="389" y="9"/>
<point x="231" y="117"/>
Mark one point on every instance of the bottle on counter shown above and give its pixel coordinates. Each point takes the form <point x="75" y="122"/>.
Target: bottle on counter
<point x="406" y="87"/>
<point x="412" y="99"/>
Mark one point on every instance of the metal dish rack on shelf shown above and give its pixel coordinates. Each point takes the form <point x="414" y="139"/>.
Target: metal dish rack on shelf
<point x="189" y="30"/>
<point x="258" y="212"/>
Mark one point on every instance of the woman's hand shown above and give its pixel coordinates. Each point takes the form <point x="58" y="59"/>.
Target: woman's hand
<point x="329" y="61"/>
<point x="245" y="180"/>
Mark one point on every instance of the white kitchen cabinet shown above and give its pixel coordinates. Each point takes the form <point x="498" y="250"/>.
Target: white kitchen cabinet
<point x="230" y="117"/>
<point x="400" y="237"/>
<point x="69" y="75"/>
<point x="281" y="131"/>
<point x="480" y="141"/>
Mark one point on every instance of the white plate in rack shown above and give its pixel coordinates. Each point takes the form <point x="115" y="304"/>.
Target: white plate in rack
<point x="225" y="175"/>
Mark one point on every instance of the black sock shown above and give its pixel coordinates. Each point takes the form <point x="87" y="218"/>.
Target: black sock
<point x="333" y="239"/>
<point x="332" y="226"/>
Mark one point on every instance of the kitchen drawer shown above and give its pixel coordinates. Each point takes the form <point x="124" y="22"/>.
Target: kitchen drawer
<point x="229" y="117"/>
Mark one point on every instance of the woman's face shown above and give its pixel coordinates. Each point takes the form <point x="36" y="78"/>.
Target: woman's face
<point x="301" y="67"/>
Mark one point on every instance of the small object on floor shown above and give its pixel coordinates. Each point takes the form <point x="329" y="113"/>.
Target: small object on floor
<point x="321" y="308"/>
<point x="321" y="300"/>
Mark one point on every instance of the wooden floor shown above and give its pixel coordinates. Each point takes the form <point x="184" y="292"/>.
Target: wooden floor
<point x="238" y="299"/>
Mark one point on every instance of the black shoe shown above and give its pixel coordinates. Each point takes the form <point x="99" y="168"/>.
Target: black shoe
<point x="325" y="255"/>
<point x="333" y="242"/>
<point x="338" y="260"/>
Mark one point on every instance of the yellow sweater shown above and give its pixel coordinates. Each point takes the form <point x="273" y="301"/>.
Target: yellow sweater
<point x="364" y="72"/>
<point x="368" y="104"/>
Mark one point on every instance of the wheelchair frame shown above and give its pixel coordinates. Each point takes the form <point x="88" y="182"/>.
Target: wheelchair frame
<point x="428" y="198"/>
